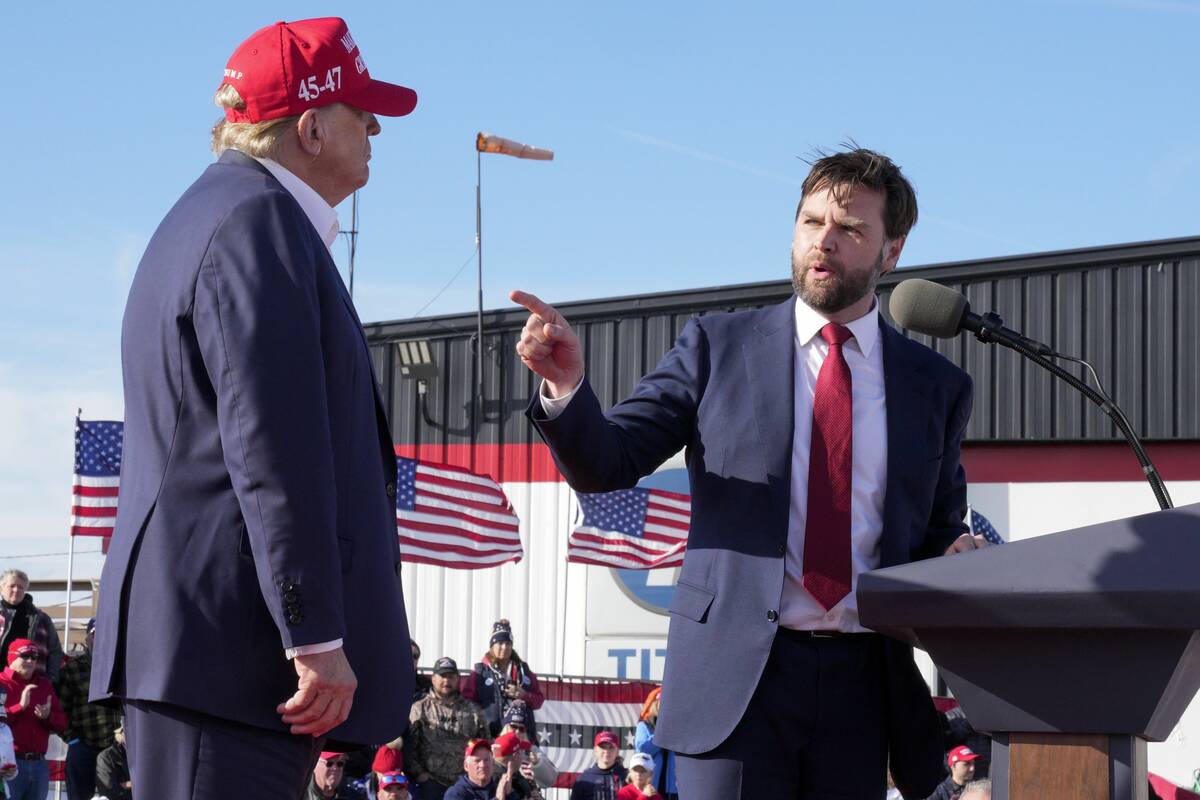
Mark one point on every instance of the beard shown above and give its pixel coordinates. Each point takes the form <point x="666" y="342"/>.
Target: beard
<point x="842" y="290"/>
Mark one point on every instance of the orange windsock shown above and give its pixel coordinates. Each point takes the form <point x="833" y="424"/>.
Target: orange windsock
<point x="487" y="143"/>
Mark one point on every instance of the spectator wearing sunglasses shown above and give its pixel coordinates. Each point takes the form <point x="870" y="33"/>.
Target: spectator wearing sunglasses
<point x="539" y="766"/>
<point x="33" y="713"/>
<point x="327" y="778"/>
<point x="393" y="786"/>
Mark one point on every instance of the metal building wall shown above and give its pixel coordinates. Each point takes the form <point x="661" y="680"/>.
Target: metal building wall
<point x="1132" y="310"/>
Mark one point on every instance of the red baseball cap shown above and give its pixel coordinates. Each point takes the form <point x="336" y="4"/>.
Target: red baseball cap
<point x="22" y="647"/>
<point x="606" y="737"/>
<point x="289" y="67"/>
<point x="475" y="744"/>
<point x="961" y="753"/>
<point x="508" y="743"/>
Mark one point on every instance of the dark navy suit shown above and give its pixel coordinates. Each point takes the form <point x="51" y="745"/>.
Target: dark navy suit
<point x="257" y="485"/>
<point x="725" y="392"/>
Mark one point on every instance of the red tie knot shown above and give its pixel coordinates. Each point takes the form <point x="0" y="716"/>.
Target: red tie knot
<point x="836" y="335"/>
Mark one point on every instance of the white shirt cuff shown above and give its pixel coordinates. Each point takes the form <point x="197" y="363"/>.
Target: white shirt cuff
<point x="312" y="649"/>
<point x="553" y="406"/>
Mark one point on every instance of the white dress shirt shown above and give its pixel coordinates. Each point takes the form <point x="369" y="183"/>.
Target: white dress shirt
<point x="864" y="356"/>
<point x="324" y="220"/>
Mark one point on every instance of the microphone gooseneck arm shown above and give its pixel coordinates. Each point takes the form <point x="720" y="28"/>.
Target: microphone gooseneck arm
<point x="993" y="330"/>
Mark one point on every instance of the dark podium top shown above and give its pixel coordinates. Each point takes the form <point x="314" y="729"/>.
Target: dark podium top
<point x="1092" y="630"/>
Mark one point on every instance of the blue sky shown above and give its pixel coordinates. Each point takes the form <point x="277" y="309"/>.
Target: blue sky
<point x="678" y="131"/>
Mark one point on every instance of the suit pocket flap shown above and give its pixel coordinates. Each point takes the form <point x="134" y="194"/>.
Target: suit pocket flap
<point x="691" y="601"/>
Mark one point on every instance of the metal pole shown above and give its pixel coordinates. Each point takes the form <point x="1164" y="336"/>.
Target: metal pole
<point x="479" y="284"/>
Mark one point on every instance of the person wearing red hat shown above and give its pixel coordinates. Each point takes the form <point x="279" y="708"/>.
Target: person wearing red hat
<point x="961" y="762"/>
<point x="392" y="786"/>
<point x="258" y="478"/>
<point x="33" y="713"/>
<point x="604" y="778"/>
<point x="510" y="752"/>
<point x="478" y="783"/>
<point x="327" y="777"/>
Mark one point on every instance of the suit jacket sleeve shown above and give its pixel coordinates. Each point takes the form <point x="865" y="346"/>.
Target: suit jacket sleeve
<point x="601" y="453"/>
<point x="257" y="319"/>
<point x="950" y="497"/>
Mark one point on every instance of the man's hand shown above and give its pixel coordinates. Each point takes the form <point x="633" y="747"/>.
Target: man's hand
<point x="967" y="542"/>
<point x="324" y="693"/>
<point x="42" y="711"/>
<point x="548" y="346"/>
<point x="26" y="696"/>
<point x="506" y="779"/>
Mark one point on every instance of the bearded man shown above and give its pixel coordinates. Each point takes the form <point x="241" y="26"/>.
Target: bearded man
<point x="821" y="443"/>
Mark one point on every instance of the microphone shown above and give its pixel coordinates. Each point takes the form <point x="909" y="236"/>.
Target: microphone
<point x="935" y="310"/>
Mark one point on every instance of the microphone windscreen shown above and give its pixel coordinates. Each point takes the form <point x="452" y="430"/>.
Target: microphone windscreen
<point x="927" y="307"/>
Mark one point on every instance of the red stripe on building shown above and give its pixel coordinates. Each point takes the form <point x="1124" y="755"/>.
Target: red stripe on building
<point x="506" y="463"/>
<point x="1043" y="462"/>
<point x="1057" y="463"/>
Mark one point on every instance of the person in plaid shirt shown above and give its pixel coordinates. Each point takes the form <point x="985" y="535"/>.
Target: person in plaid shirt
<point x="91" y="725"/>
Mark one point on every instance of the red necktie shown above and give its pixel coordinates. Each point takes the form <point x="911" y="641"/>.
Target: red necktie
<point x="830" y="463"/>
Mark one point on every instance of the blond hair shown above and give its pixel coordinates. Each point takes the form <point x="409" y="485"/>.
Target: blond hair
<point x="258" y="139"/>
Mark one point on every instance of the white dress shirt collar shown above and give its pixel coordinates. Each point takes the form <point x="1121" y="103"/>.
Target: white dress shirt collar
<point x="865" y="329"/>
<point x="319" y="213"/>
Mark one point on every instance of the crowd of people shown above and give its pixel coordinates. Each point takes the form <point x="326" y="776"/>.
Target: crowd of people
<point x="41" y="693"/>
<point x="469" y="737"/>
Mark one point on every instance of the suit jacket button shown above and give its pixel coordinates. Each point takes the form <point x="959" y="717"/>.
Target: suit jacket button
<point x="772" y="616"/>
<point x="391" y="490"/>
<point x="290" y="596"/>
<point x="782" y="549"/>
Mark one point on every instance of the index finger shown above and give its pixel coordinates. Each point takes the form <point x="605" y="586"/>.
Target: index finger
<point x="531" y="302"/>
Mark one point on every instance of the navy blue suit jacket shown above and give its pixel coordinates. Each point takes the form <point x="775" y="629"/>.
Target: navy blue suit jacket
<point x="258" y="475"/>
<point x="725" y="392"/>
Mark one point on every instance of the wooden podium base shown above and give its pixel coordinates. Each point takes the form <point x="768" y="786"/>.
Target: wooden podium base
<point x="1066" y="766"/>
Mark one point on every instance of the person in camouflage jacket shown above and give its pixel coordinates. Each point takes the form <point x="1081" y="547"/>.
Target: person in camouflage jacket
<point x="440" y="725"/>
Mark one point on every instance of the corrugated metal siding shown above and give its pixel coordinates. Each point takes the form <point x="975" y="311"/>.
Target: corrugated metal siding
<point x="1132" y="310"/>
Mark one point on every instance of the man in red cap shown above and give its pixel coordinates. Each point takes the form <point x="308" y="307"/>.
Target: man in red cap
<point x="258" y="485"/>
<point x="961" y="761"/>
<point x="479" y="783"/>
<point x="33" y="712"/>
<point x="327" y="776"/>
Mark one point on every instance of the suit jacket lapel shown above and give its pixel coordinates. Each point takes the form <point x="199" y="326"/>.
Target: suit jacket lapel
<point x="770" y="368"/>
<point x="907" y="414"/>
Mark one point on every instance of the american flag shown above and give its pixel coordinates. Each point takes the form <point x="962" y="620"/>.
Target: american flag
<point x="981" y="527"/>
<point x="450" y="517"/>
<point x="98" y="447"/>
<point x="631" y="529"/>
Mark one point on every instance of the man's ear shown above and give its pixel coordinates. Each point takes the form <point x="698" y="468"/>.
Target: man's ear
<point x="891" y="254"/>
<point x="310" y="133"/>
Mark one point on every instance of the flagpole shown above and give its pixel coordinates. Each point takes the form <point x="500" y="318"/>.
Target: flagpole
<point x="70" y="580"/>
<point x="562" y="639"/>
<point x="971" y="519"/>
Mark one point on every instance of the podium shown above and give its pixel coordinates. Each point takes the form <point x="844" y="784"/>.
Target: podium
<point x="1073" y="650"/>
